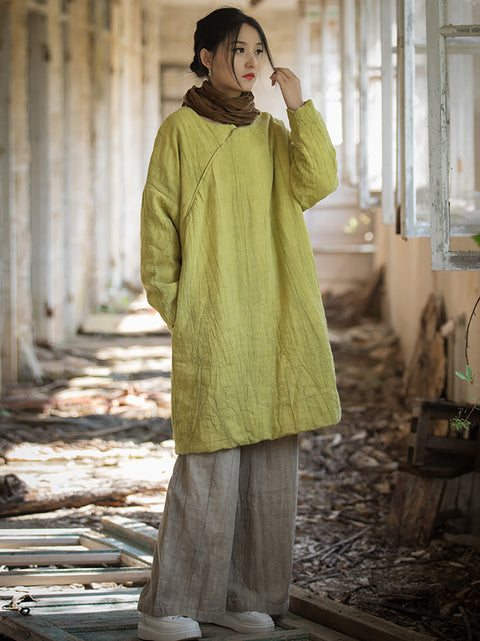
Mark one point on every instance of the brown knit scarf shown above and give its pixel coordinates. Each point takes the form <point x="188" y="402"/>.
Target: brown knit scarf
<point x="210" y="103"/>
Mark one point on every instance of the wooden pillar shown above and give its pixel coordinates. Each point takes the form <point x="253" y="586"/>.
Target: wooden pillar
<point x="56" y="171"/>
<point x="115" y="178"/>
<point x="364" y="32"/>
<point x="324" y="57"/>
<point x="78" y="158"/>
<point x="20" y="254"/>
<point x="41" y="228"/>
<point x="303" y="48"/>
<point x="348" y="39"/>
<point x="132" y="112"/>
<point x="8" y="288"/>
<point x="102" y="153"/>
<point x="151" y="79"/>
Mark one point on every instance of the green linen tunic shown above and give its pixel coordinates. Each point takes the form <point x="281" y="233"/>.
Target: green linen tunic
<point x="226" y="260"/>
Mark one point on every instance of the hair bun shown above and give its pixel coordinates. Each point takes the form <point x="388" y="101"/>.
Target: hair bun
<point x="198" y="67"/>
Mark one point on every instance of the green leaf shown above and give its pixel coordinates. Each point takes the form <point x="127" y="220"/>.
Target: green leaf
<point x="476" y="238"/>
<point x="459" y="424"/>
<point x="467" y="376"/>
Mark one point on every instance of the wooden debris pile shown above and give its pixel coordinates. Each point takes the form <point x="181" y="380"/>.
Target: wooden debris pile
<point x="347" y="477"/>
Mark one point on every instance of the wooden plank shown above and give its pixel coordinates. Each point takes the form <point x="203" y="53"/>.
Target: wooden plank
<point x="10" y="542"/>
<point x="77" y="575"/>
<point x="139" y="533"/>
<point x="99" y="626"/>
<point x="45" y="598"/>
<point x="41" y="532"/>
<point x="20" y="628"/>
<point x="61" y="557"/>
<point x="132" y="553"/>
<point x="316" y="631"/>
<point x="114" y="635"/>
<point x="348" y="620"/>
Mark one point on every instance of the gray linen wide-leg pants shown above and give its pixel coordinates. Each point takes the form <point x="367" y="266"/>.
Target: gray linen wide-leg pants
<point x="225" y="541"/>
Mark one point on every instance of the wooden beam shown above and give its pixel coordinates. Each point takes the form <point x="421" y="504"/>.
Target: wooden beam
<point x="76" y="575"/>
<point x="13" y="626"/>
<point x="348" y="620"/>
<point x="24" y="558"/>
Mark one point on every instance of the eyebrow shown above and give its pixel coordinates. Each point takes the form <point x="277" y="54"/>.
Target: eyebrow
<point x="242" y="42"/>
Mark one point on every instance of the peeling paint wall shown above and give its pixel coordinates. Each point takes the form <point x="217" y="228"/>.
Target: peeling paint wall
<point x="409" y="282"/>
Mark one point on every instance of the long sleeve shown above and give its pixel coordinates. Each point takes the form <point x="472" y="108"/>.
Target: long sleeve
<point x="161" y="255"/>
<point x="313" y="165"/>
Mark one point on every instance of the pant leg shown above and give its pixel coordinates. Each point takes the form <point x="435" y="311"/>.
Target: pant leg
<point x="260" y="572"/>
<point x="194" y="546"/>
<point x="226" y="536"/>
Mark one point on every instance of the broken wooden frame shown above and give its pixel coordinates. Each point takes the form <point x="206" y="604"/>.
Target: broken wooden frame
<point x="431" y="460"/>
<point x="111" y="614"/>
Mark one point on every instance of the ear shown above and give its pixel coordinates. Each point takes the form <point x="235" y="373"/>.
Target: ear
<point x="206" y="57"/>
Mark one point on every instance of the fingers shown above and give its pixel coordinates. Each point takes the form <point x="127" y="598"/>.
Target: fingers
<point x="290" y="86"/>
<point x="282" y="74"/>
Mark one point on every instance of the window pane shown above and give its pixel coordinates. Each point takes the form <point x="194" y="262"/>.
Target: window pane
<point x="420" y="114"/>
<point x="462" y="11"/>
<point x="463" y="67"/>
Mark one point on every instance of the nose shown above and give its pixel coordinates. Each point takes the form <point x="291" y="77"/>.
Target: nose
<point x="252" y="60"/>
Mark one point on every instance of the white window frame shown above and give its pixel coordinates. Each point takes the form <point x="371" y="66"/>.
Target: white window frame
<point x="388" y="132"/>
<point x="368" y="71"/>
<point x="408" y="225"/>
<point x="443" y="258"/>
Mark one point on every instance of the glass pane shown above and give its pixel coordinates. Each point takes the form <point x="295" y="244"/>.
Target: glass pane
<point x="422" y="185"/>
<point x="462" y="11"/>
<point x="463" y="71"/>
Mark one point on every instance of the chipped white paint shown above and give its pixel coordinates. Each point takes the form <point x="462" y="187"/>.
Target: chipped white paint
<point x="443" y="257"/>
<point x="388" y="202"/>
<point x="405" y="111"/>
<point x="348" y="52"/>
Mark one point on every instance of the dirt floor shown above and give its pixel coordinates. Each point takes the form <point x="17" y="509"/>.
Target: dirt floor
<point x="100" y="422"/>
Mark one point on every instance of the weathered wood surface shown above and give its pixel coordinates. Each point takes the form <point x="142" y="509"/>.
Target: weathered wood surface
<point x="111" y="615"/>
<point x="425" y="375"/>
<point x="31" y="501"/>
<point x="78" y="556"/>
<point x="108" y="615"/>
<point x="414" y="509"/>
<point x="348" y="620"/>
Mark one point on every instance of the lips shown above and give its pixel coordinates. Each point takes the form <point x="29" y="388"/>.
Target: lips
<point x="249" y="76"/>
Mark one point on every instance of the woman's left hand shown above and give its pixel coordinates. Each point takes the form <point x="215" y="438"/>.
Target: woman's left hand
<point x="289" y="85"/>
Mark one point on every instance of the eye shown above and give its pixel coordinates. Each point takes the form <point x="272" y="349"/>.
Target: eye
<point x="258" y="52"/>
<point x="239" y="49"/>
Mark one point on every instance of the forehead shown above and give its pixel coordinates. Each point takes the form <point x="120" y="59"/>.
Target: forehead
<point x="248" y="33"/>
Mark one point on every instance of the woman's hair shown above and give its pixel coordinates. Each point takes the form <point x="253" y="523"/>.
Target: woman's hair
<point x="219" y="26"/>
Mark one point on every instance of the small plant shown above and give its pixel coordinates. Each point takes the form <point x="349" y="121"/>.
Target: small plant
<point x="462" y="420"/>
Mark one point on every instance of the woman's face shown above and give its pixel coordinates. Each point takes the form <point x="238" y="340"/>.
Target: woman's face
<point x="247" y="62"/>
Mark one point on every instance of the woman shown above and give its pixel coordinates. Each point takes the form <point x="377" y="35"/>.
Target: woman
<point x="226" y="260"/>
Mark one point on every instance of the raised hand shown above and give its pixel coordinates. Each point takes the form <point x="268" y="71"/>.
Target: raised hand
<point x="289" y="85"/>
